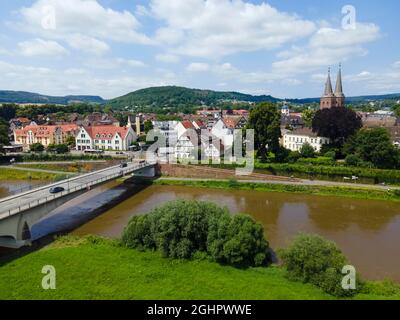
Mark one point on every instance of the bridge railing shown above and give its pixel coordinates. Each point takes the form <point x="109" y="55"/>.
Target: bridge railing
<point x="59" y="183"/>
<point x="83" y="186"/>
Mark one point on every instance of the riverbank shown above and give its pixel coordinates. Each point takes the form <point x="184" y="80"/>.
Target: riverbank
<point x="338" y="191"/>
<point x="97" y="268"/>
<point x="9" y="173"/>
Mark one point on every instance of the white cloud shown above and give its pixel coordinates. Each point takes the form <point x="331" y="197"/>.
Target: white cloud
<point x="214" y="28"/>
<point x="167" y="58"/>
<point x="40" y="47"/>
<point x="88" y="44"/>
<point x="198" y="67"/>
<point x="75" y="81"/>
<point x="131" y="63"/>
<point x="396" y="64"/>
<point x="326" y="47"/>
<point x="86" y="17"/>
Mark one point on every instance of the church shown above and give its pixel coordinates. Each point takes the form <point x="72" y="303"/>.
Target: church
<point x="332" y="99"/>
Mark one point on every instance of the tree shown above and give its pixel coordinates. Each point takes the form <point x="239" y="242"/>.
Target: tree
<point x="265" y="119"/>
<point x="37" y="147"/>
<point x="337" y="124"/>
<point x="180" y="229"/>
<point x="308" y="116"/>
<point x="71" y="141"/>
<point x="7" y="111"/>
<point x="311" y="258"/>
<point x="148" y="125"/>
<point x="307" y="151"/>
<point x="3" y="132"/>
<point x="375" y="146"/>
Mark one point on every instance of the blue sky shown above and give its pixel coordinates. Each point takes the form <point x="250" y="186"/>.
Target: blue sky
<point x="282" y="48"/>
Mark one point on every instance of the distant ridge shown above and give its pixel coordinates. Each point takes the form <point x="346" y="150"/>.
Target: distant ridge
<point x="29" y="97"/>
<point x="175" y="96"/>
<point x="168" y="96"/>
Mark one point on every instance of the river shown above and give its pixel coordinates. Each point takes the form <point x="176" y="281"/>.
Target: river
<point x="367" y="231"/>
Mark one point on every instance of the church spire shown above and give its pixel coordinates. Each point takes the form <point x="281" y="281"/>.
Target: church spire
<point x="339" y="86"/>
<point x="328" y="85"/>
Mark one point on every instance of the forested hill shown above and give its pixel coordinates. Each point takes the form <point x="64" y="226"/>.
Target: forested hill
<point x="28" y="97"/>
<point x="178" y="96"/>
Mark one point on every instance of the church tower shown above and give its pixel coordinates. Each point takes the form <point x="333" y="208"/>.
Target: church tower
<point x="330" y="99"/>
<point x="340" y="98"/>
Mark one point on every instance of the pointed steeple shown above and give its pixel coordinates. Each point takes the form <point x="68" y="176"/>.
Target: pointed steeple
<point x="328" y="85"/>
<point x="339" y="86"/>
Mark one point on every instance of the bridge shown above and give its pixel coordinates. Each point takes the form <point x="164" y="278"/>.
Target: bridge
<point x="20" y="212"/>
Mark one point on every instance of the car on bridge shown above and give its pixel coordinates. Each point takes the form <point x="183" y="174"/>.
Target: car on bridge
<point x="123" y="165"/>
<point x="56" y="190"/>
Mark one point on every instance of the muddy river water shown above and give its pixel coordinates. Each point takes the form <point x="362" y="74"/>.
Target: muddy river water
<point x="367" y="231"/>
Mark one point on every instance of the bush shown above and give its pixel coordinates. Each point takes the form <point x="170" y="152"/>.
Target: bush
<point x="352" y="160"/>
<point x="36" y="147"/>
<point x="312" y="259"/>
<point x="330" y="154"/>
<point x="186" y="229"/>
<point x="293" y="156"/>
<point x="238" y="241"/>
<point x="307" y="151"/>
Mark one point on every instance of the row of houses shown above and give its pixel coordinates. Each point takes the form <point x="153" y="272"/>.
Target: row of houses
<point x="189" y="139"/>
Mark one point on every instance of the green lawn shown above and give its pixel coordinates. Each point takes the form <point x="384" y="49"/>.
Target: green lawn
<point x="13" y="174"/>
<point x="348" y="192"/>
<point x="94" y="268"/>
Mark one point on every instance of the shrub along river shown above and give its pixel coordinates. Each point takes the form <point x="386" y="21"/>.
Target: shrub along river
<point x="367" y="231"/>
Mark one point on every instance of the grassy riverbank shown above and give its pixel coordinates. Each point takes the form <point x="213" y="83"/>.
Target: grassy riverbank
<point x="95" y="268"/>
<point x="358" y="193"/>
<point x="12" y="174"/>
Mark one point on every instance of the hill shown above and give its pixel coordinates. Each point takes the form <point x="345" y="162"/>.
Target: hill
<point x="29" y="97"/>
<point x="172" y="96"/>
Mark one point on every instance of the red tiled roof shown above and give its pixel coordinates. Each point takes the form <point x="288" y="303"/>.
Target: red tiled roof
<point x="106" y="132"/>
<point x="187" y="124"/>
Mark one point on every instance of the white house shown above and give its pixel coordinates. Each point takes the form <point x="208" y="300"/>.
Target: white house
<point x="224" y="129"/>
<point x="105" y="138"/>
<point x="212" y="147"/>
<point x="166" y="129"/>
<point x="187" y="147"/>
<point x="294" y="140"/>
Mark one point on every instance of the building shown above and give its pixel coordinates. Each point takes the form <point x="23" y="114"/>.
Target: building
<point x="212" y="147"/>
<point x="105" y="138"/>
<point x="187" y="147"/>
<point x="285" y="111"/>
<point x="332" y="99"/>
<point x="167" y="130"/>
<point x="45" y="135"/>
<point x="294" y="140"/>
<point x="100" y="119"/>
<point x="225" y="128"/>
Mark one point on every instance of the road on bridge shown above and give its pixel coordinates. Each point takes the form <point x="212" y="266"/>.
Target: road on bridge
<point x="17" y="203"/>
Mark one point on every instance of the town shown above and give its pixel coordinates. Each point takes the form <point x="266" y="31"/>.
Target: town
<point x="207" y="133"/>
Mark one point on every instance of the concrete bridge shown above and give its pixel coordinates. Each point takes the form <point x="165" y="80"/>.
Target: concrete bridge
<point x="20" y="212"/>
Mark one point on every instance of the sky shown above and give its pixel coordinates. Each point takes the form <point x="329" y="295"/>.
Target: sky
<point x="283" y="48"/>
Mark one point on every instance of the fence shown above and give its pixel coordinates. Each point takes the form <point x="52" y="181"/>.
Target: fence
<point x="87" y="185"/>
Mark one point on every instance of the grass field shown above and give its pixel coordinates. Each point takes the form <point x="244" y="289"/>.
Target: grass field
<point x="95" y="268"/>
<point x="11" y="174"/>
<point x="358" y="193"/>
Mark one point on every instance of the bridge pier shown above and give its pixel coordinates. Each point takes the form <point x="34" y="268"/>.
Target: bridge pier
<point x="16" y="223"/>
<point x="15" y="230"/>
